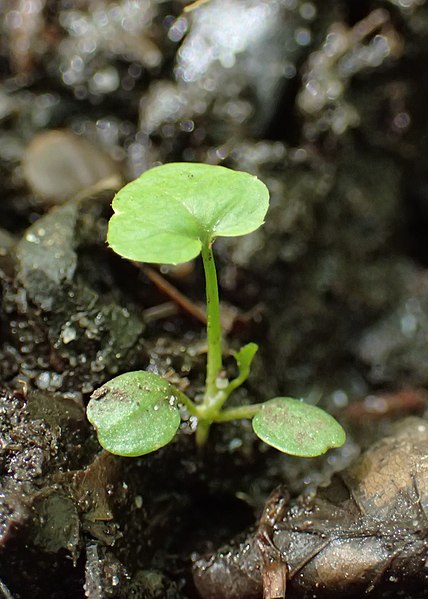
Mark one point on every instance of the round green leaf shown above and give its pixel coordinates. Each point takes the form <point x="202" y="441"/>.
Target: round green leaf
<point x="165" y="214"/>
<point x="134" y="413"/>
<point x="297" y="428"/>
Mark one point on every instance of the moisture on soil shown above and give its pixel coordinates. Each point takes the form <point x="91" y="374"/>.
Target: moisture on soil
<point x="326" y="103"/>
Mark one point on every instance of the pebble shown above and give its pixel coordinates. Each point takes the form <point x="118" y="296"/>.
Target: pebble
<point x="58" y="164"/>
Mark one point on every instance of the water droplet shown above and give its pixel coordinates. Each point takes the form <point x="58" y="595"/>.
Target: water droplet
<point x="87" y="387"/>
<point x="303" y="36"/>
<point x="308" y="11"/>
<point x="104" y="81"/>
<point x="340" y="398"/>
<point x="408" y="324"/>
<point x="32" y="238"/>
<point x="234" y="444"/>
<point x="68" y="334"/>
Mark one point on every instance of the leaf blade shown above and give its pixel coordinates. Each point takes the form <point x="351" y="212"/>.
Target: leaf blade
<point x="244" y="358"/>
<point x="165" y="214"/>
<point x="297" y="428"/>
<point x="134" y="413"/>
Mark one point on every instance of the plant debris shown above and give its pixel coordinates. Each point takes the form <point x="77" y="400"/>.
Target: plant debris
<point x="367" y="532"/>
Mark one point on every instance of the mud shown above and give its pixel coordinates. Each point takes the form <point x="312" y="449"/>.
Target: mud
<point x="326" y="103"/>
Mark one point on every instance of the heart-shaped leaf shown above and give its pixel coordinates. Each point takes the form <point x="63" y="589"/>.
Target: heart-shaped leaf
<point x="165" y="215"/>
<point x="134" y="413"/>
<point x="297" y="428"/>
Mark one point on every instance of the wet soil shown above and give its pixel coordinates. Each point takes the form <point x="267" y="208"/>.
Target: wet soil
<point x="326" y="103"/>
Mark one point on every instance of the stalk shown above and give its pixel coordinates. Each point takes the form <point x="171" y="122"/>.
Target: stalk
<point x="192" y="408"/>
<point x="214" y="357"/>
<point x="238" y="413"/>
<point x="207" y="410"/>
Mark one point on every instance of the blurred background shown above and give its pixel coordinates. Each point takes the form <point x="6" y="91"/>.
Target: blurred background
<point x="325" y="101"/>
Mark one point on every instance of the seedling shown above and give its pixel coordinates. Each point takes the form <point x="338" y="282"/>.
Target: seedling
<point x="171" y="214"/>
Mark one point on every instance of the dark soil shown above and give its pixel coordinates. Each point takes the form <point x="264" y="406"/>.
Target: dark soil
<point x="326" y="103"/>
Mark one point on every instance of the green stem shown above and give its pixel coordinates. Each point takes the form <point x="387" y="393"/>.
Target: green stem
<point x="202" y="432"/>
<point x="224" y="395"/>
<point x="203" y="428"/>
<point x="238" y="413"/>
<point x="214" y="358"/>
<point x="192" y="408"/>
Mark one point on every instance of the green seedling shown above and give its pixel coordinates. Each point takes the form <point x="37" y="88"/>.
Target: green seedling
<point x="171" y="214"/>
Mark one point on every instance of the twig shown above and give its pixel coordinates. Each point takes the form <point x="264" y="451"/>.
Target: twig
<point x="274" y="567"/>
<point x="194" y="5"/>
<point x="173" y="293"/>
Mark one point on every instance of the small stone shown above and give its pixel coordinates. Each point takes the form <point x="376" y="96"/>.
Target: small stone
<point x="58" y="164"/>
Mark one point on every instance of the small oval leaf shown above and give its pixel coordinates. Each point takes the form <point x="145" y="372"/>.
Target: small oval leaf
<point x="297" y="428"/>
<point x="134" y="413"/>
<point x="165" y="214"/>
<point x="244" y="358"/>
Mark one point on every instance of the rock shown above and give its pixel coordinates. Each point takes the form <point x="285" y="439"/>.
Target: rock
<point x="395" y="345"/>
<point x="56" y="524"/>
<point x="70" y="331"/>
<point x="49" y="494"/>
<point x="29" y="449"/>
<point x="226" y="50"/>
<point x="58" y="164"/>
<point x="46" y="256"/>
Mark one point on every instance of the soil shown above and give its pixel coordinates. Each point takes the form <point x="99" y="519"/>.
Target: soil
<point x="326" y="103"/>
